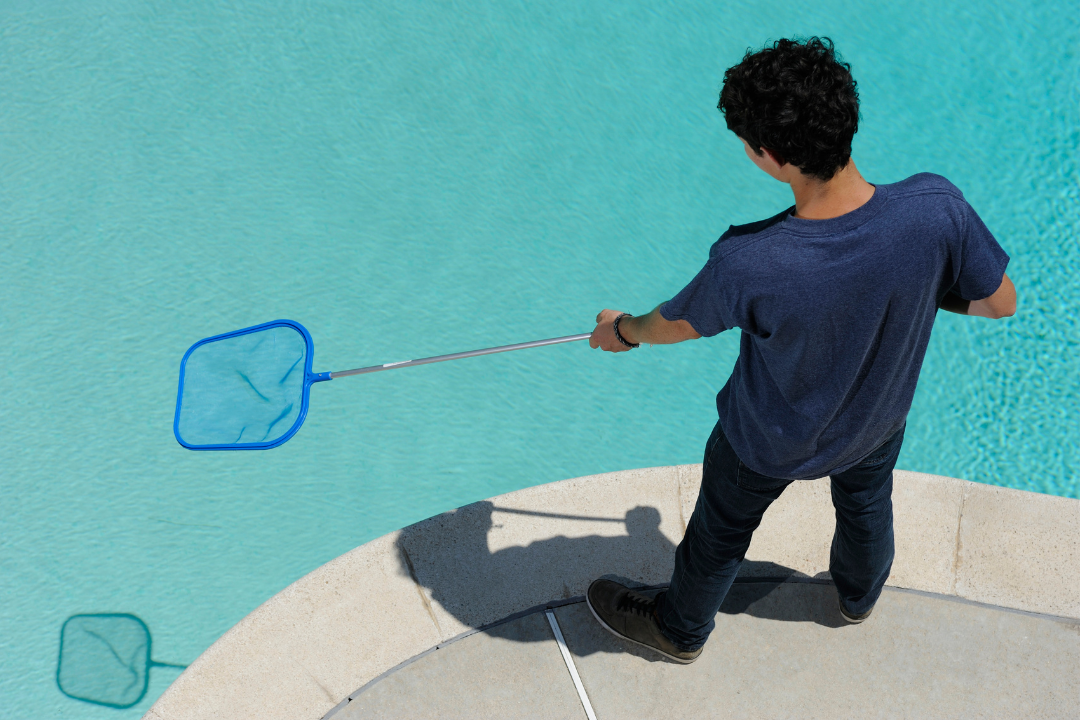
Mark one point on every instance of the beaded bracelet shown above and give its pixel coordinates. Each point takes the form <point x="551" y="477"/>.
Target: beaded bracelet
<point x="621" y="339"/>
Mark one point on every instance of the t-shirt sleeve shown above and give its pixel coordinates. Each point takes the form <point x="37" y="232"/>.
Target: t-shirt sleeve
<point x="700" y="303"/>
<point x="982" y="260"/>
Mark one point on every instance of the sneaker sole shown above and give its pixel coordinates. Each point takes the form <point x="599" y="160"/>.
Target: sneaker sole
<point x="616" y="633"/>
<point x="852" y="620"/>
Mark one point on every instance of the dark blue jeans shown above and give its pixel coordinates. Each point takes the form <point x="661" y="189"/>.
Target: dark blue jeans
<point x="729" y="508"/>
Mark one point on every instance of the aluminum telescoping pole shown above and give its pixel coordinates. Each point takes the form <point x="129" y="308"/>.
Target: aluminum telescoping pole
<point x="460" y="355"/>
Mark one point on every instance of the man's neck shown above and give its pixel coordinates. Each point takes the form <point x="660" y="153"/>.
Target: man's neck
<point x="817" y="200"/>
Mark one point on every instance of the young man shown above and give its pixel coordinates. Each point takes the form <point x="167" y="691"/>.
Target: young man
<point x="835" y="298"/>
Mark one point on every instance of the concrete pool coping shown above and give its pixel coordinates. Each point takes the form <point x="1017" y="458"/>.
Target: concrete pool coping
<point x="305" y="651"/>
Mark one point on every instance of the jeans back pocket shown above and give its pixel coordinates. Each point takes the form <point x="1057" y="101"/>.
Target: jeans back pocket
<point x="885" y="451"/>
<point x="750" y="480"/>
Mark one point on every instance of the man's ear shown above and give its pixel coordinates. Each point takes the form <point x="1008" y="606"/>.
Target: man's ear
<point x="775" y="156"/>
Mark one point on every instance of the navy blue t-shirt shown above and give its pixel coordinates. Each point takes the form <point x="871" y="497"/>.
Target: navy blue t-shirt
<point x="835" y="317"/>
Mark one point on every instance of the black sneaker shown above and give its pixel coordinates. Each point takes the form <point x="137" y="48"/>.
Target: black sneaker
<point x="853" y="618"/>
<point x="632" y="616"/>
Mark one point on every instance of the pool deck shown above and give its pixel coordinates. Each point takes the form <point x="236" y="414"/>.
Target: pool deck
<point x="457" y="616"/>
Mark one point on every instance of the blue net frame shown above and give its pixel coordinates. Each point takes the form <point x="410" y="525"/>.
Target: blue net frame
<point x="247" y="389"/>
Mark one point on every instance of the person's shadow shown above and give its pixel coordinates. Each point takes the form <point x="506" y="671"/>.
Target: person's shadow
<point x="451" y="556"/>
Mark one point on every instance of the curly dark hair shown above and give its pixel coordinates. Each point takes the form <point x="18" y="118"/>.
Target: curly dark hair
<point x="798" y="100"/>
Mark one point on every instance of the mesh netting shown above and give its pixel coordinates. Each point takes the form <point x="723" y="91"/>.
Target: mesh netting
<point x="104" y="659"/>
<point x="243" y="389"/>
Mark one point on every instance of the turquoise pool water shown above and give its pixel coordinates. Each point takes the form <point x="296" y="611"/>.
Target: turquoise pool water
<point x="410" y="179"/>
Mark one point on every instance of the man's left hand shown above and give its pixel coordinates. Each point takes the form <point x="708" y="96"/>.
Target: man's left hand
<point x="603" y="336"/>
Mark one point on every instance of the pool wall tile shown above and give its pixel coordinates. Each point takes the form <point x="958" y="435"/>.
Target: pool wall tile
<point x="689" y="485"/>
<point x="1020" y="550"/>
<point x="926" y="513"/>
<point x="803" y="512"/>
<point x="621" y="525"/>
<point x="794" y="534"/>
<point x="319" y="640"/>
<point x="313" y="643"/>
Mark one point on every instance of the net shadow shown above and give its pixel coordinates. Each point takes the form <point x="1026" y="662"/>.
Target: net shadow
<point x="105" y="659"/>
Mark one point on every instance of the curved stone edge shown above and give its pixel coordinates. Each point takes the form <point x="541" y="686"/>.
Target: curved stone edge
<point x="307" y="648"/>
